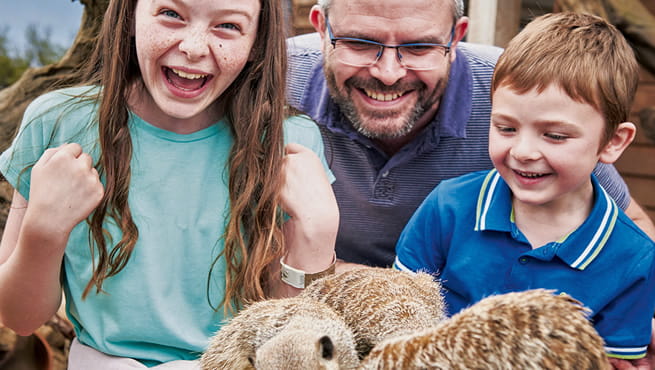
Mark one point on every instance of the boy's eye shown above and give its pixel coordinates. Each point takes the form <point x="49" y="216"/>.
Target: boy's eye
<point x="505" y="129"/>
<point x="556" y="137"/>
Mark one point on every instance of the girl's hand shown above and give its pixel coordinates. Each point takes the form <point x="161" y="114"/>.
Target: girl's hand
<point x="307" y="197"/>
<point x="306" y="192"/>
<point x="65" y="187"/>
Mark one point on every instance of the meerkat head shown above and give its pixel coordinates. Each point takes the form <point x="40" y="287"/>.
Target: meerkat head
<point x="297" y="349"/>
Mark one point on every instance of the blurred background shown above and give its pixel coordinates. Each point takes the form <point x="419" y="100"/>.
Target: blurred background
<point x="43" y="41"/>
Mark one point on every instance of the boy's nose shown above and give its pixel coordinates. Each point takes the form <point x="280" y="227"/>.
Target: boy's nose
<point x="525" y="149"/>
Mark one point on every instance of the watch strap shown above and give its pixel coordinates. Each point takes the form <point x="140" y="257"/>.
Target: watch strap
<point x="301" y="279"/>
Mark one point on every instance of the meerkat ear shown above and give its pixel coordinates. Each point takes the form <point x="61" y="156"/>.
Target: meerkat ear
<point x="327" y="347"/>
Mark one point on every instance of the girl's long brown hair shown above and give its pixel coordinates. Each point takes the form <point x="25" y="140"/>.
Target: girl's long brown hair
<point x="254" y="105"/>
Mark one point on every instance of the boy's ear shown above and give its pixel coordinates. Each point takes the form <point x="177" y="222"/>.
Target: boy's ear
<point x="622" y="137"/>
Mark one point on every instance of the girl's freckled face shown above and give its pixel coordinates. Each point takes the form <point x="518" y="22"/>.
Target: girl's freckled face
<point x="189" y="53"/>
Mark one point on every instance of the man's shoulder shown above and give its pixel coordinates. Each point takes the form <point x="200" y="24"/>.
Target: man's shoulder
<point x="304" y="43"/>
<point x="304" y="52"/>
<point x="480" y="54"/>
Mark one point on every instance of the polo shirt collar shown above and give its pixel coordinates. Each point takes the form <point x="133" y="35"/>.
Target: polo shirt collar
<point x="577" y="249"/>
<point x="451" y="119"/>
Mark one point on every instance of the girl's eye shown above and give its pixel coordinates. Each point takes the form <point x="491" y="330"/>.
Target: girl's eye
<point x="229" y="26"/>
<point x="170" y="13"/>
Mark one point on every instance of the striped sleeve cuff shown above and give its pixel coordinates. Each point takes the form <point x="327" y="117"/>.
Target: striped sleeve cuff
<point x="626" y="353"/>
<point x="397" y="265"/>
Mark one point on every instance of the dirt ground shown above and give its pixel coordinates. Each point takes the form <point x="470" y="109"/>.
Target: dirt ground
<point x="5" y="200"/>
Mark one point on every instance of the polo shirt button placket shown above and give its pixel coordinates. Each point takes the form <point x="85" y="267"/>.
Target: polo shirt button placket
<point x="523" y="260"/>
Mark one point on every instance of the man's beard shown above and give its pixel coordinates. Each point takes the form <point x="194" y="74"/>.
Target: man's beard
<point x="404" y="121"/>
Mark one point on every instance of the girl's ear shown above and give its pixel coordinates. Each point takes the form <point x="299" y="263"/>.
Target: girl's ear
<point x="622" y="137"/>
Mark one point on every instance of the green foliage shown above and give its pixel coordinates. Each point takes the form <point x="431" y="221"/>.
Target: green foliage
<point x="40" y="51"/>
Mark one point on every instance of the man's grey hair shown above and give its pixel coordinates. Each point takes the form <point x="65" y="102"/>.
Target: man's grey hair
<point x="458" y="7"/>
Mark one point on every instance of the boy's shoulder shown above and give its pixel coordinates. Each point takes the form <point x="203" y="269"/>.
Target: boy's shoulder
<point x="462" y="192"/>
<point x="630" y="236"/>
<point x="470" y="182"/>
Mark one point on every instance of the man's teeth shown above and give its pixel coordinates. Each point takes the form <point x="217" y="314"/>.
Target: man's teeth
<point x="382" y="96"/>
<point x="188" y="76"/>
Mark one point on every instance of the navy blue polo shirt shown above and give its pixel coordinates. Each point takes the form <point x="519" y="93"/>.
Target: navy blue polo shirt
<point x="465" y="233"/>
<point x="378" y="193"/>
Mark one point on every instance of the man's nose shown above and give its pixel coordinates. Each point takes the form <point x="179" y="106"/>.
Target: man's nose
<point x="388" y="68"/>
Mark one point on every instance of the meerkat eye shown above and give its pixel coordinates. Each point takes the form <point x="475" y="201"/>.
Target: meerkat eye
<point x="328" y="347"/>
<point x="251" y="360"/>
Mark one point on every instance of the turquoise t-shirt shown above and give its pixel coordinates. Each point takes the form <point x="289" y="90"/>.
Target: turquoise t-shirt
<point x="156" y="309"/>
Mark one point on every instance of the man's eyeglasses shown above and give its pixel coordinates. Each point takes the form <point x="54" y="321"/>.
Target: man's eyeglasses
<point x="420" y="56"/>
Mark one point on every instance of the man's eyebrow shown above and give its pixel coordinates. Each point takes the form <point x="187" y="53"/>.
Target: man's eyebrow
<point x="429" y="39"/>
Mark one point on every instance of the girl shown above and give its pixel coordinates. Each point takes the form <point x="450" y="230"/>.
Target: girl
<point x="158" y="190"/>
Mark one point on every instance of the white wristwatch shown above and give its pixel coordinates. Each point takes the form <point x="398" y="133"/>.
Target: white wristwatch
<point x="301" y="279"/>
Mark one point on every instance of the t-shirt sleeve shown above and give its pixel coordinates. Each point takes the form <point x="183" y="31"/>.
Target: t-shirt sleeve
<point x="302" y="130"/>
<point x="28" y="145"/>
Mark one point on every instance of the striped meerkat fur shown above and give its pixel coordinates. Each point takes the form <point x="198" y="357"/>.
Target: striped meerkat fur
<point x="379" y="303"/>
<point x="524" y="330"/>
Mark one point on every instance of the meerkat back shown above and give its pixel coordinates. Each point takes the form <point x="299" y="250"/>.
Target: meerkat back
<point x="379" y="303"/>
<point x="284" y="323"/>
<point x="523" y="330"/>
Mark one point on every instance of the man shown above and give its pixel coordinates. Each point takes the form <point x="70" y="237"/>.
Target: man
<point x="402" y="104"/>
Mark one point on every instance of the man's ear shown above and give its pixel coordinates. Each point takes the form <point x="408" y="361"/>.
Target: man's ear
<point x="622" y="137"/>
<point x="317" y="19"/>
<point x="461" y="27"/>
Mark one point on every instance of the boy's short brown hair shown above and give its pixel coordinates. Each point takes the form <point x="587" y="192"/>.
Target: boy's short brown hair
<point x="583" y="54"/>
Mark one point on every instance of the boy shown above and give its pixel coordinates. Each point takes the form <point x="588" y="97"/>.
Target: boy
<point x="561" y="95"/>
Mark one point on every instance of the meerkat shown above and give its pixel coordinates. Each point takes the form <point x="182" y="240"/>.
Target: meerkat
<point x="523" y="330"/>
<point x="288" y="333"/>
<point x="379" y="303"/>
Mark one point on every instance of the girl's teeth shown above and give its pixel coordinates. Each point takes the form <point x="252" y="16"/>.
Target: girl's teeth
<point x="189" y="76"/>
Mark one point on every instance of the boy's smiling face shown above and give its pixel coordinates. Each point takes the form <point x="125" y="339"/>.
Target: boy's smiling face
<point x="545" y="145"/>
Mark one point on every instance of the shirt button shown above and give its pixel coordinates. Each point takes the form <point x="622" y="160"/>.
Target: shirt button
<point x="523" y="260"/>
<point x="385" y="174"/>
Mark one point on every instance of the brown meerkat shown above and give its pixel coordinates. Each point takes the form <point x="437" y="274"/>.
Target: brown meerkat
<point x="533" y="329"/>
<point x="288" y="333"/>
<point x="378" y="303"/>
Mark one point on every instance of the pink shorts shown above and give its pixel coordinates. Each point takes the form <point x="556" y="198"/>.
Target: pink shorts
<point x="82" y="357"/>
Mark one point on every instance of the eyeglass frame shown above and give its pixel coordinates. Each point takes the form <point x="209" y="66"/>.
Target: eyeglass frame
<point x="399" y="56"/>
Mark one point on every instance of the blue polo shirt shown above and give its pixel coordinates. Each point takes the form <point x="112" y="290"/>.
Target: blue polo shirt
<point x="378" y="193"/>
<point x="465" y="233"/>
